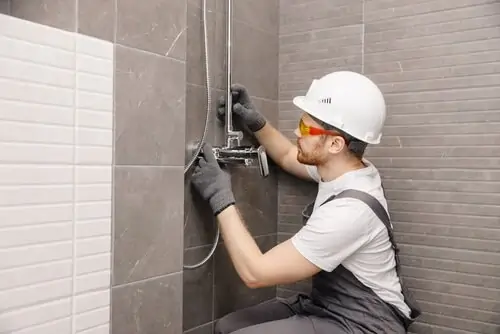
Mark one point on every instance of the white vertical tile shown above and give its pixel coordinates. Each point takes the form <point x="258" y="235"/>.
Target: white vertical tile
<point x="56" y="145"/>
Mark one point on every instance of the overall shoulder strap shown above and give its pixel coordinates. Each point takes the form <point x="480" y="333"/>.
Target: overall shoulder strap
<point x="382" y="214"/>
<point x="377" y="208"/>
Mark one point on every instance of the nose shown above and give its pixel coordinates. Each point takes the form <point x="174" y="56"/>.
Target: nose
<point x="297" y="132"/>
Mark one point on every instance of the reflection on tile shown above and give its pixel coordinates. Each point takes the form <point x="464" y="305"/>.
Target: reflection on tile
<point x="197" y="289"/>
<point x="205" y="329"/>
<point x="148" y="222"/>
<point x="154" y="25"/>
<point x="231" y="294"/>
<point x="150" y="109"/>
<point x="255" y="61"/>
<point x="262" y="14"/>
<point x="149" y="307"/>
<point x="97" y="18"/>
<point x="55" y="13"/>
<point x="256" y="199"/>
<point x="199" y="222"/>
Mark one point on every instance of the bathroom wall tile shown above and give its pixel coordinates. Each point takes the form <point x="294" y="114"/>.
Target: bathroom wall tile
<point x="255" y="60"/>
<point x="205" y="329"/>
<point x="196" y="117"/>
<point x="256" y="199"/>
<point x="231" y="294"/>
<point x="262" y="14"/>
<point x="149" y="307"/>
<point x="148" y="223"/>
<point x="55" y="13"/>
<point x="198" y="289"/>
<point x="97" y="18"/>
<point x="5" y="7"/>
<point x="150" y="109"/>
<point x="269" y="109"/>
<point x="157" y="26"/>
<point x="195" y="58"/>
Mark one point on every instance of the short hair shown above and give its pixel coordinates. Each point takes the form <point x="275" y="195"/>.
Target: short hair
<point x="355" y="146"/>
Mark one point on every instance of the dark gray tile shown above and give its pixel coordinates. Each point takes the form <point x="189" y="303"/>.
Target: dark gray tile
<point x="211" y="4"/>
<point x="262" y="14"/>
<point x="231" y="294"/>
<point x="205" y="329"/>
<point x="256" y="199"/>
<point x="149" y="307"/>
<point x="155" y="25"/>
<point x="148" y="222"/>
<point x="199" y="222"/>
<point x="196" y="57"/>
<point x="5" y="7"/>
<point x="196" y="117"/>
<point x="97" y="18"/>
<point x="255" y="61"/>
<point x="269" y="109"/>
<point x="150" y="109"/>
<point x="55" y="13"/>
<point x="198" y="289"/>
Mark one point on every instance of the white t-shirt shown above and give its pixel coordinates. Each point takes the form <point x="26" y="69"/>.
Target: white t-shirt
<point x="346" y="231"/>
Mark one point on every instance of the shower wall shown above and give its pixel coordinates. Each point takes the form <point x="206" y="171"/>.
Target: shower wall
<point x="215" y="289"/>
<point x="149" y="128"/>
<point x="437" y="63"/>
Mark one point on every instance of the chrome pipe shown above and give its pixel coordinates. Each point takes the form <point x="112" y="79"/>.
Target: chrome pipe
<point x="229" y="97"/>
<point x="233" y="138"/>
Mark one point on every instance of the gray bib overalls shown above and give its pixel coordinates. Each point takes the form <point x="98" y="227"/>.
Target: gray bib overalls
<point x="339" y="295"/>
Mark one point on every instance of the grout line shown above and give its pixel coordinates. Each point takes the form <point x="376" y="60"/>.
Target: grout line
<point x="146" y="166"/>
<point x="75" y="138"/>
<point x="113" y="174"/>
<point x="182" y="61"/>
<point x="147" y="279"/>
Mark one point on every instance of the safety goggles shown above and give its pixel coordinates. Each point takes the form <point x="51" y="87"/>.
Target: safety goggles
<point x="306" y="130"/>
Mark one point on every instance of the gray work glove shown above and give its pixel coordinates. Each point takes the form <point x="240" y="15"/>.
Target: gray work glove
<point x="211" y="182"/>
<point x="243" y="108"/>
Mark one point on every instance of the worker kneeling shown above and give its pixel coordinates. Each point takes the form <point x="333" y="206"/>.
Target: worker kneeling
<point x="346" y="244"/>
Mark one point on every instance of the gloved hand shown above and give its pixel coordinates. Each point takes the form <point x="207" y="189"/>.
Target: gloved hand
<point x="243" y="108"/>
<point x="212" y="183"/>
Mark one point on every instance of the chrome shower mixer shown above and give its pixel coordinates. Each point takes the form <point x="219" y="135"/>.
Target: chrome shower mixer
<point x="242" y="155"/>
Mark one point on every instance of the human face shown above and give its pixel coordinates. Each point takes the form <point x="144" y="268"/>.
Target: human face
<point x="312" y="142"/>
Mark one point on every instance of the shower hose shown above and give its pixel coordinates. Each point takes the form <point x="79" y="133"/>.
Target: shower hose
<point x="203" y="137"/>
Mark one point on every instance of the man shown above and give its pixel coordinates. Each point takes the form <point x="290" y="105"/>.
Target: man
<point x="346" y="244"/>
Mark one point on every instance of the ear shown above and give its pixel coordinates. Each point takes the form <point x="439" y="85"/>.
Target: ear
<point x="336" y="144"/>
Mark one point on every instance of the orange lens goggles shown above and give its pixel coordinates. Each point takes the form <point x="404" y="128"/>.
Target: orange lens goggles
<point x="306" y="130"/>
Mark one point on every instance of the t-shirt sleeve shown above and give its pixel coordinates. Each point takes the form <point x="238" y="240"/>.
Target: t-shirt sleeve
<point x="313" y="172"/>
<point x="333" y="233"/>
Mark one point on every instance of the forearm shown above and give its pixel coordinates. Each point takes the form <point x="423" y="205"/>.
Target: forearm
<point x="242" y="248"/>
<point x="276" y="144"/>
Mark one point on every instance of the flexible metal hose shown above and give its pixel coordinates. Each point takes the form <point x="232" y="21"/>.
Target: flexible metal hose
<point x="203" y="137"/>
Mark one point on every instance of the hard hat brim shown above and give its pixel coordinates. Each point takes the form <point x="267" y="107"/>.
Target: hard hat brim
<point x="302" y="103"/>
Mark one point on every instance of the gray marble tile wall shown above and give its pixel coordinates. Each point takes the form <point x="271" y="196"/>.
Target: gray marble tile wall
<point x="215" y="289"/>
<point x="150" y="89"/>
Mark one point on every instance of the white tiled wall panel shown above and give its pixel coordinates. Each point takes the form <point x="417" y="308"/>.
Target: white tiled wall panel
<point x="56" y="135"/>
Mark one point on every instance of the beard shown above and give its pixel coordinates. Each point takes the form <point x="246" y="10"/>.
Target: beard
<point x="313" y="157"/>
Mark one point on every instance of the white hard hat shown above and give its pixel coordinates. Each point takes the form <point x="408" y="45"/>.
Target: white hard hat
<point x="348" y="101"/>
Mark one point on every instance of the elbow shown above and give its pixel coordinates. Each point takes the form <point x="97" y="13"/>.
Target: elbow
<point x="254" y="282"/>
